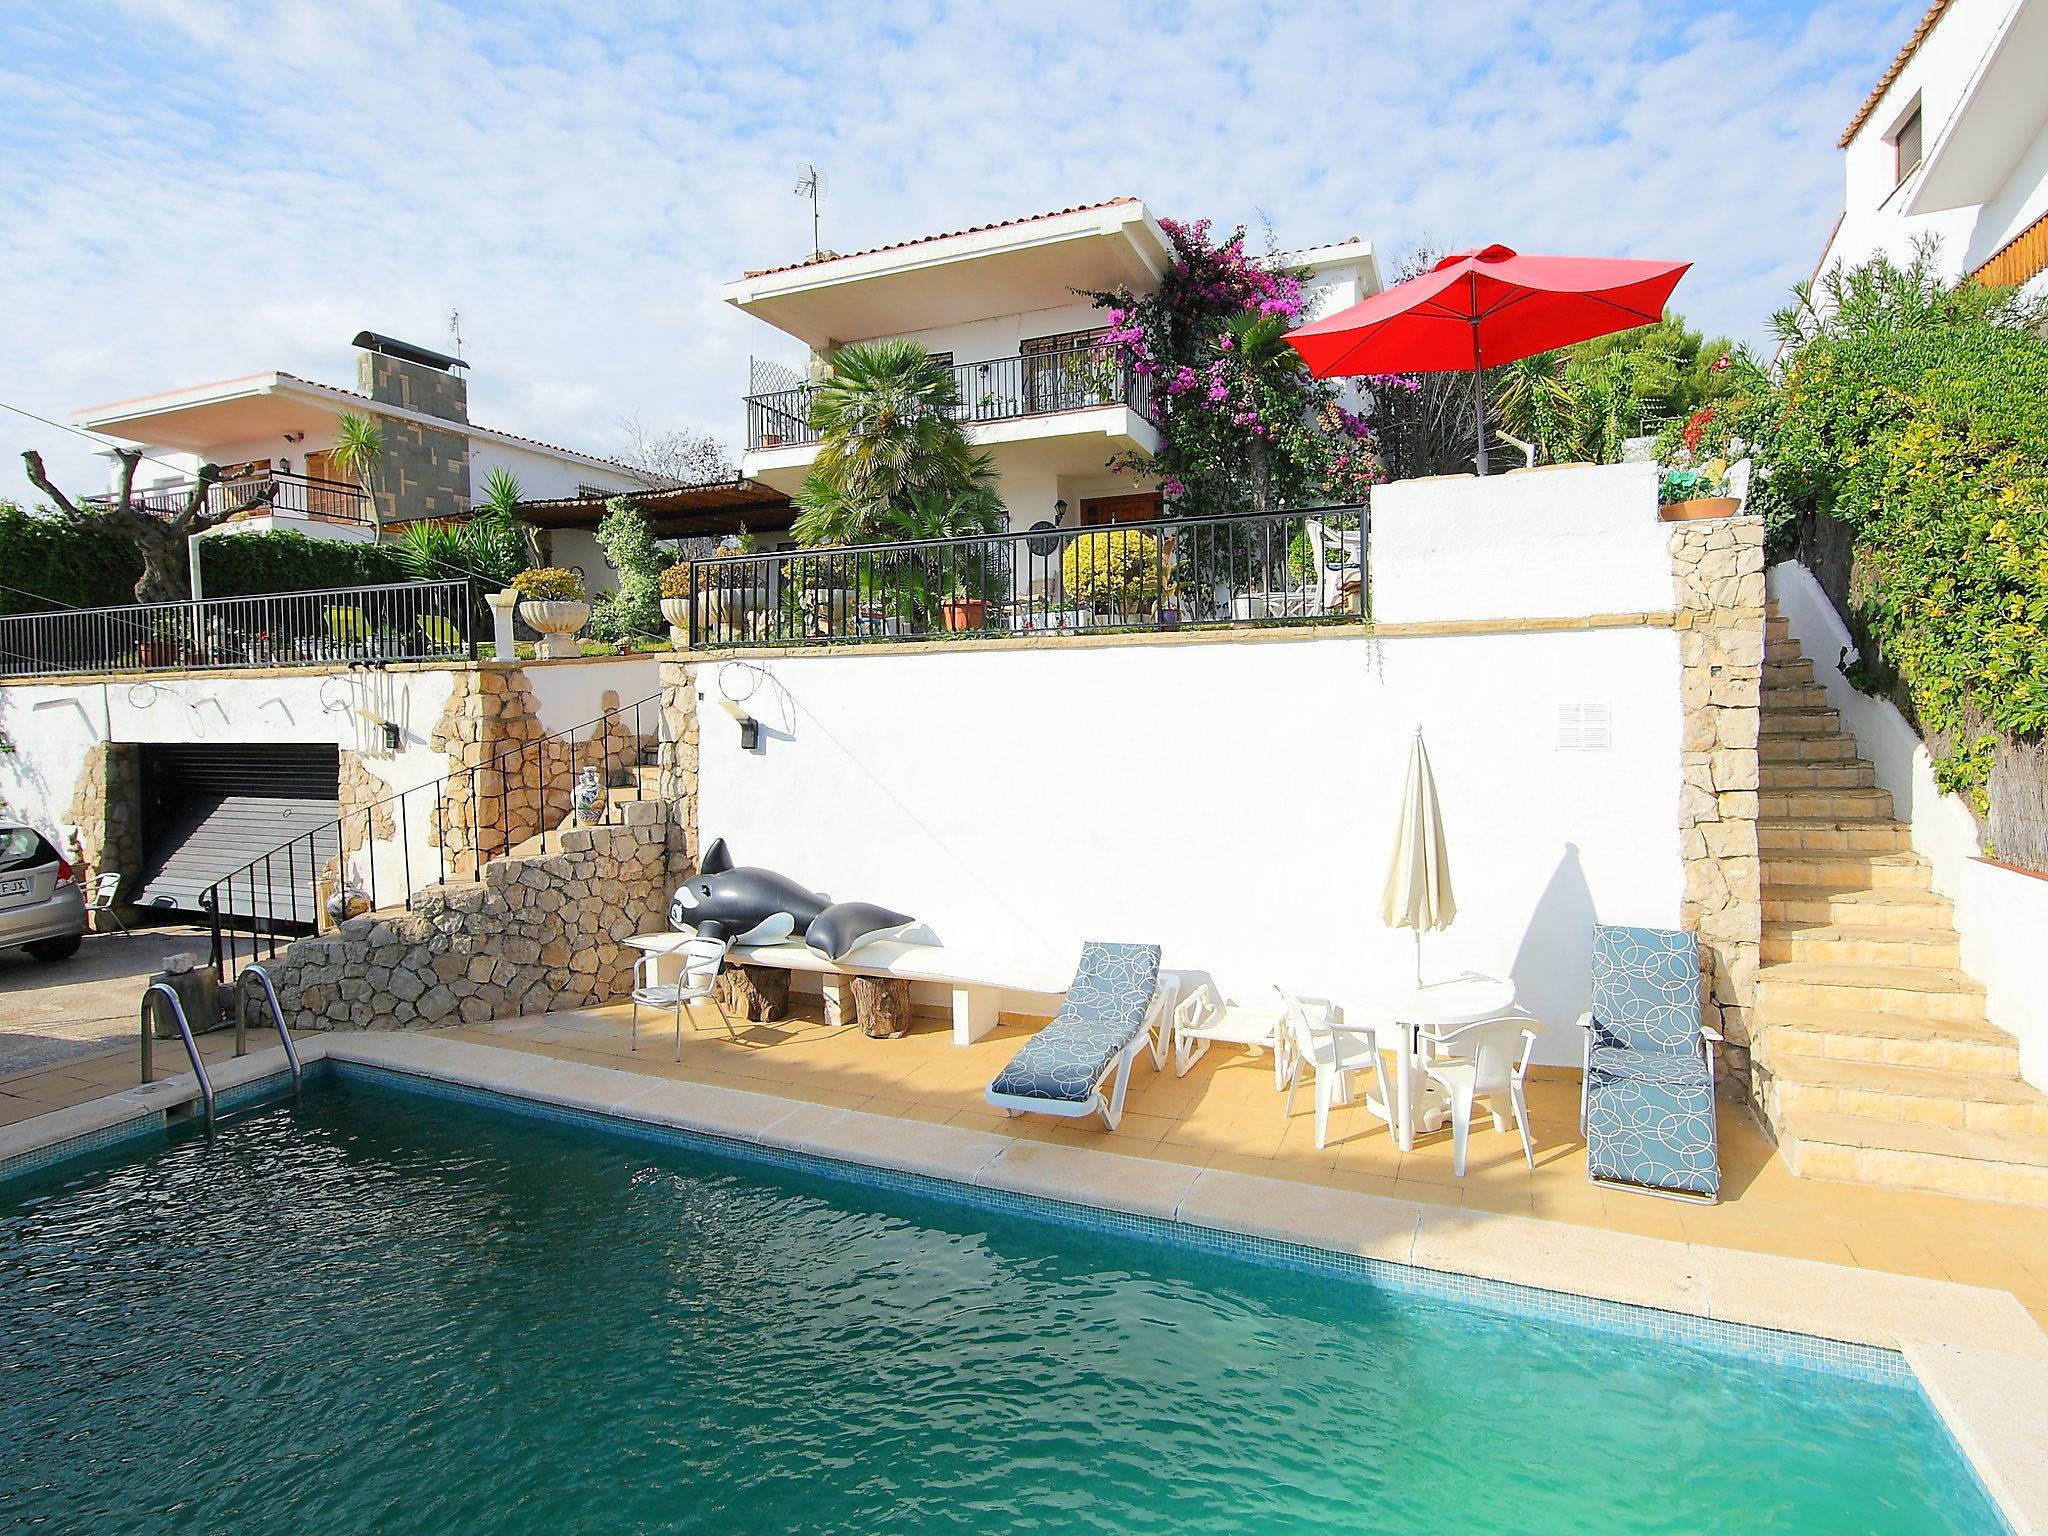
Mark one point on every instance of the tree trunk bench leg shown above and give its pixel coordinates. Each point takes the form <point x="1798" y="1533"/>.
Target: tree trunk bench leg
<point x="882" y="1004"/>
<point x="757" y="993"/>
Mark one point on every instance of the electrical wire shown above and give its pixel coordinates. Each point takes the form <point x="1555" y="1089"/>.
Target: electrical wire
<point x="91" y="437"/>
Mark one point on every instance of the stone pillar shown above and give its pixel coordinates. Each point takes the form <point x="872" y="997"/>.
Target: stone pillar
<point x="1718" y="577"/>
<point x="493" y="799"/>
<point x="106" y="808"/>
<point x="679" y="757"/>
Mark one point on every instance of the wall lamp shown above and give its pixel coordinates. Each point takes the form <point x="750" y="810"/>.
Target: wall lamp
<point x="750" y="728"/>
<point x="1059" y="510"/>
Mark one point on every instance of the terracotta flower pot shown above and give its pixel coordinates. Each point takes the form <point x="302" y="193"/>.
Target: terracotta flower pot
<point x="559" y="622"/>
<point x="1697" y="508"/>
<point x="964" y="613"/>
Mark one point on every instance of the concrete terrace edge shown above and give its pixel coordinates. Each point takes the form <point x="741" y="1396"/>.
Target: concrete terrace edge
<point x="1979" y="1358"/>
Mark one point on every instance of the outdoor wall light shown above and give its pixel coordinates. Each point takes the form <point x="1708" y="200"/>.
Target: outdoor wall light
<point x="750" y="728"/>
<point x="391" y="736"/>
<point x="1059" y="510"/>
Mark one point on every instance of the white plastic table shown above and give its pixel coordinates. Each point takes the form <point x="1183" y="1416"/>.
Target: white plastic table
<point x="1412" y="1011"/>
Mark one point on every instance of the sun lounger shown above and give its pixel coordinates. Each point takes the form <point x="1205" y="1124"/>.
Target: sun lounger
<point x="1118" y="1005"/>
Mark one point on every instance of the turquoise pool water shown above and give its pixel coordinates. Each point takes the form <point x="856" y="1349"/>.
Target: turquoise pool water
<point x="381" y="1312"/>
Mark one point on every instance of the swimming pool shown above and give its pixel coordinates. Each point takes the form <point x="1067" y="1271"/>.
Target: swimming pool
<point x="382" y="1311"/>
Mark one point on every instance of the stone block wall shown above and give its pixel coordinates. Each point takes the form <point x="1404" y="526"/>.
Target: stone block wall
<point x="106" y="808"/>
<point x="1718" y="580"/>
<point x="534" y="934"/>
<point x="423" y="471"/>
<point x="679" y="754"/>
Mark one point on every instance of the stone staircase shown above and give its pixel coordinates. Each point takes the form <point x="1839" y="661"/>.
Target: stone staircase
<point x="1878" y="1063"/>
<point x="645" y="787"/>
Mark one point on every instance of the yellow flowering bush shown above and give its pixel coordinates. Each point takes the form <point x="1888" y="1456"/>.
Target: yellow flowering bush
<point x="548" y="584"/>
<point x="1117" y="566"/>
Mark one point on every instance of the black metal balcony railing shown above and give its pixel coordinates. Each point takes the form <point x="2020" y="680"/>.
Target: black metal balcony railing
<point x="302" y="495"/>
<point x="408" y="621"/>
<point x="1001" y="389"/>
<point x="1250" y="568"/>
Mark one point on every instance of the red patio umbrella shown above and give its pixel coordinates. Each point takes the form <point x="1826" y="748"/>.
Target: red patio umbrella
<point x="1479" y="309"/>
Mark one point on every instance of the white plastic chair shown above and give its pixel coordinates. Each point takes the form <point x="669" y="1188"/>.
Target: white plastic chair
<point x="1337" y="553"/>
<point x="1479" y="1060"/>
<point x="1203" y="1019"/>
<point x="105" y="889"/>
<point x="702" y="959"/>
<point x="1333" y="1055"/>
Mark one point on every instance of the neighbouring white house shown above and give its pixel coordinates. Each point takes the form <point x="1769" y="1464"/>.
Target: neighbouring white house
<point x="278" y="428"/>
<point x="1953" y="143"/>
<point x="1003" y="304"/>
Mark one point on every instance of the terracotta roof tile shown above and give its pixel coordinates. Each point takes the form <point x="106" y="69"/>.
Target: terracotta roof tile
<point x="1920" y="35"/>
<point x="951" y="234"/>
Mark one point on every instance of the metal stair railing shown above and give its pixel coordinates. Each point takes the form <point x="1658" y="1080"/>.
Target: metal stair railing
<point x="150" y="994"/>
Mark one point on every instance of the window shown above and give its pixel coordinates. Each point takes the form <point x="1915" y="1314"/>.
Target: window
<point x="1906" y="146"/>
<point x="1068" y="372"/>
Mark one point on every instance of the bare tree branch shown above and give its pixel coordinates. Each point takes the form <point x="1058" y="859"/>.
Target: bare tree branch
<point x="673" y="457"/>
<point x="40" y="479"/>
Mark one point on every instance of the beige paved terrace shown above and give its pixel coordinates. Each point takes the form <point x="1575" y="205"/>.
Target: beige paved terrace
<point x="1225" y="1115"/>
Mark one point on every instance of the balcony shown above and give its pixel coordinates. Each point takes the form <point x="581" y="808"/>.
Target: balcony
<point x="304" y="496"/>
<point x="1046" y="383"/>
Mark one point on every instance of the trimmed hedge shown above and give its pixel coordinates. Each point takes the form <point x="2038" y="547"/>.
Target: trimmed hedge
<point x="71" y="566"/>
<point x="243" y="564"/>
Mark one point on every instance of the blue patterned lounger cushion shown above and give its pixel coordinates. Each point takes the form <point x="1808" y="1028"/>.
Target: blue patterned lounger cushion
<point x="1650" y="1121"/>
<point x="1646" y="989"/>
<point x="1104" y="1009"/>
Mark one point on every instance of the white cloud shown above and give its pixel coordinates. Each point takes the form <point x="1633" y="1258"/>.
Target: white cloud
<point x="192" y="189"/>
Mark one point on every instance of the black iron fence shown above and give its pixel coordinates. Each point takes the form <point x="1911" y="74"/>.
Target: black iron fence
<point x="406" y="621"/>
<point x="1252" y="568"/>
<point x="379" y="857"/>
<point x="1000" y="389"/>
<point x="334" y="501"/>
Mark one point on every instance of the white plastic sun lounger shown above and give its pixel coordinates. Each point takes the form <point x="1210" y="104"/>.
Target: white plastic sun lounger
<point x="1119" y="1004"/>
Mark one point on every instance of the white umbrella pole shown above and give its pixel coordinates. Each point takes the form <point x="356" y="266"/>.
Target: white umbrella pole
<point x="1418" y="957"/>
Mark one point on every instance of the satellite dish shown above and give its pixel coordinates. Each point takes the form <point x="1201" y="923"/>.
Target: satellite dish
<point x="1044" y="538"/>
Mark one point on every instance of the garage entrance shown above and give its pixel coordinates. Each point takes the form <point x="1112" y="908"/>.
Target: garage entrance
<point x="208" y="810"/>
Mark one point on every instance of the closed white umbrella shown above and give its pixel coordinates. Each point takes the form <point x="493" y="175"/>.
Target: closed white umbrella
<point x="1418" y="891"/>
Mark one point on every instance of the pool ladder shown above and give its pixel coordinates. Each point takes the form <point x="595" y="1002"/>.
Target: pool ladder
<point x="158" y="989"/>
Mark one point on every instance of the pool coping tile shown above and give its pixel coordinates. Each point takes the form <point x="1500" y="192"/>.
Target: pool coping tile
<point x="1083" y="1176"/>
<point x="1994" y="1405"/>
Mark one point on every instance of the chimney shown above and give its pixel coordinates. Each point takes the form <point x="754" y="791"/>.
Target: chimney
<point x="398" y="373"/>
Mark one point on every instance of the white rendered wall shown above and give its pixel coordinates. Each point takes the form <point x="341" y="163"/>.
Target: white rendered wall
<point x="567" y="694"/>
<point x="1233" y="801"/>
<point x="1564" y="542"/>
<point x="542" y="475"/>
<point x="2001" y="915"/>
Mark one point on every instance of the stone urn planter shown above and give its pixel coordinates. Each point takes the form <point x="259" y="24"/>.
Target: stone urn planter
<point x="559" y="624"/>
<point x="677" y="611"/>
<point x="1697" y="508"/>
<point x="829" y="609"/>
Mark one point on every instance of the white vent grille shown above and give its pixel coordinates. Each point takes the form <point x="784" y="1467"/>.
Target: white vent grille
<point x="1582" y="728"/>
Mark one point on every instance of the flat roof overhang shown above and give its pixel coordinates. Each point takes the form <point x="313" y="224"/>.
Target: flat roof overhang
<point x="204" y="416"/>
<point x="2002" y="113"/>
<point x="1008" y="269"/>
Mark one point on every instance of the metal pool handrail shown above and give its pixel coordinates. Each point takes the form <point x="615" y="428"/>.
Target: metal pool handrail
<point x="149" y="995"/>
<point x="291" y="1053"/>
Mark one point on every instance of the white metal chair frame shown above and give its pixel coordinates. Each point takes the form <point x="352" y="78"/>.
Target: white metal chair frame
<point x="1333" y="1055"/>
<point x="106" y="888"/>
<point x="702" y="959"/>
<point x="1479" y="1061"/>
<point x="1203" y="1019"/>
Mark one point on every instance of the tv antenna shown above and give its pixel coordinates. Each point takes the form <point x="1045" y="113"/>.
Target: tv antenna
<point x="812" y="184"/>
<point x="455" y="329"/>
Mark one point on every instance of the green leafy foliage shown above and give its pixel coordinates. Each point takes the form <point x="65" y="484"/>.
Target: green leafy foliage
<point x="243" y="564"/>
<point x="549" y="584"/>
<point x="1581" y="403"/>
<point x="66" y="564"/>
<point x="635" y="608"/>
<point x="488" y="545"/>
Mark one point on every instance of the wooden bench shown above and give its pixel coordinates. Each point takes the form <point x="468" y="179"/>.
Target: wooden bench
<point x="977" y="983"/>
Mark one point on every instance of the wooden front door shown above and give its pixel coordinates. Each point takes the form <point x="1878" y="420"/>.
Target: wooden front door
<point x="1133" y="508"/>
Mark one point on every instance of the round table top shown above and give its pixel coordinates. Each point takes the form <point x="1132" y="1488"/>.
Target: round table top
<point x="1439" y="1001"/>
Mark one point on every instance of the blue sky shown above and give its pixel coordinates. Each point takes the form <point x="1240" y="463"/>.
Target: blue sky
<point x="192" y="189"/>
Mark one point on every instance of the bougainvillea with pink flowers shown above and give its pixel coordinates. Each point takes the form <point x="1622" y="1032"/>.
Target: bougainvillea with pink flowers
<point x="1243" y="423"/>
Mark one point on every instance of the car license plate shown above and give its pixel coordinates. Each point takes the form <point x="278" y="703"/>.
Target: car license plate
<point x="15" y="887"/>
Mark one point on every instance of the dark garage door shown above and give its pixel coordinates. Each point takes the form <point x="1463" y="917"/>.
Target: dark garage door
<point x="209" y="810"/>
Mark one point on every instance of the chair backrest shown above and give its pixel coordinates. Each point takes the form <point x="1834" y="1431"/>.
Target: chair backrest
<point x="1113" y="984"/>
<point x="1310" y="1039"/>
<point x="702" y="960"/>
<point x="1499" y="1050"/>
<point x="1646" y="989"/>
<point x="105" y="887"/>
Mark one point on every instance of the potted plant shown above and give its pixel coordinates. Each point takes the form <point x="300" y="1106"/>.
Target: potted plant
<point x="1687" y="493"/>
<point x="821" y="581"/>
<point x="675" y="603"/>
<point x="552" y="601"/>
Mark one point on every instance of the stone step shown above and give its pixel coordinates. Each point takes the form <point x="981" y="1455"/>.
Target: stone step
<point x="1969" y="1101"/>
<point x="1846" y="871"/>
<point x="1834" y="748"/>
<point x="1858" y="908"/>
<point x="1831" y="943"/>
<point x="1781" y="668"/>
<point x="1842" y="773"/>
<point x="1920" y="992"/>
<point x="1985" y="1165"/>
<point x="1833" y="834"/>
<point x="1800" y="722"/>
<point x="1850" y="1034"/>
<point x="1859" y="803"/>
<point x="1801" y="696"/>
<point x="1777" y="631"/>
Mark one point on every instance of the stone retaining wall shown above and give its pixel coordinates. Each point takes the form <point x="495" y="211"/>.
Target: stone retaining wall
<point x="1718" y="577"/>
<point x="106" y="808"/>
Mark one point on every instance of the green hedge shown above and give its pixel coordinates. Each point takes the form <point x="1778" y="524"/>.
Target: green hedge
<point x="70" y="566"/>
<point x="241" y="564"/>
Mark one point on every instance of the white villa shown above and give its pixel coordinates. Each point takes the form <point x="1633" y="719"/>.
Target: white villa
<point x="1953" y="142"/>
<point x="279" y="427"/>
<point x="1003" y="304"/>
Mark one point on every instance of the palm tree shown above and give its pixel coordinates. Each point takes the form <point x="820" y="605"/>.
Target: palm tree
<point x="358" y="445"/>
<point x="887" y="425"/>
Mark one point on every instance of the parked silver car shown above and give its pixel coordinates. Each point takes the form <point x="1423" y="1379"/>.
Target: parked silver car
<point x="42" y="907"/>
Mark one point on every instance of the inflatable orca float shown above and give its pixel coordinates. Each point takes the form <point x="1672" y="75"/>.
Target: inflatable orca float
<point x="746" y="905"/>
